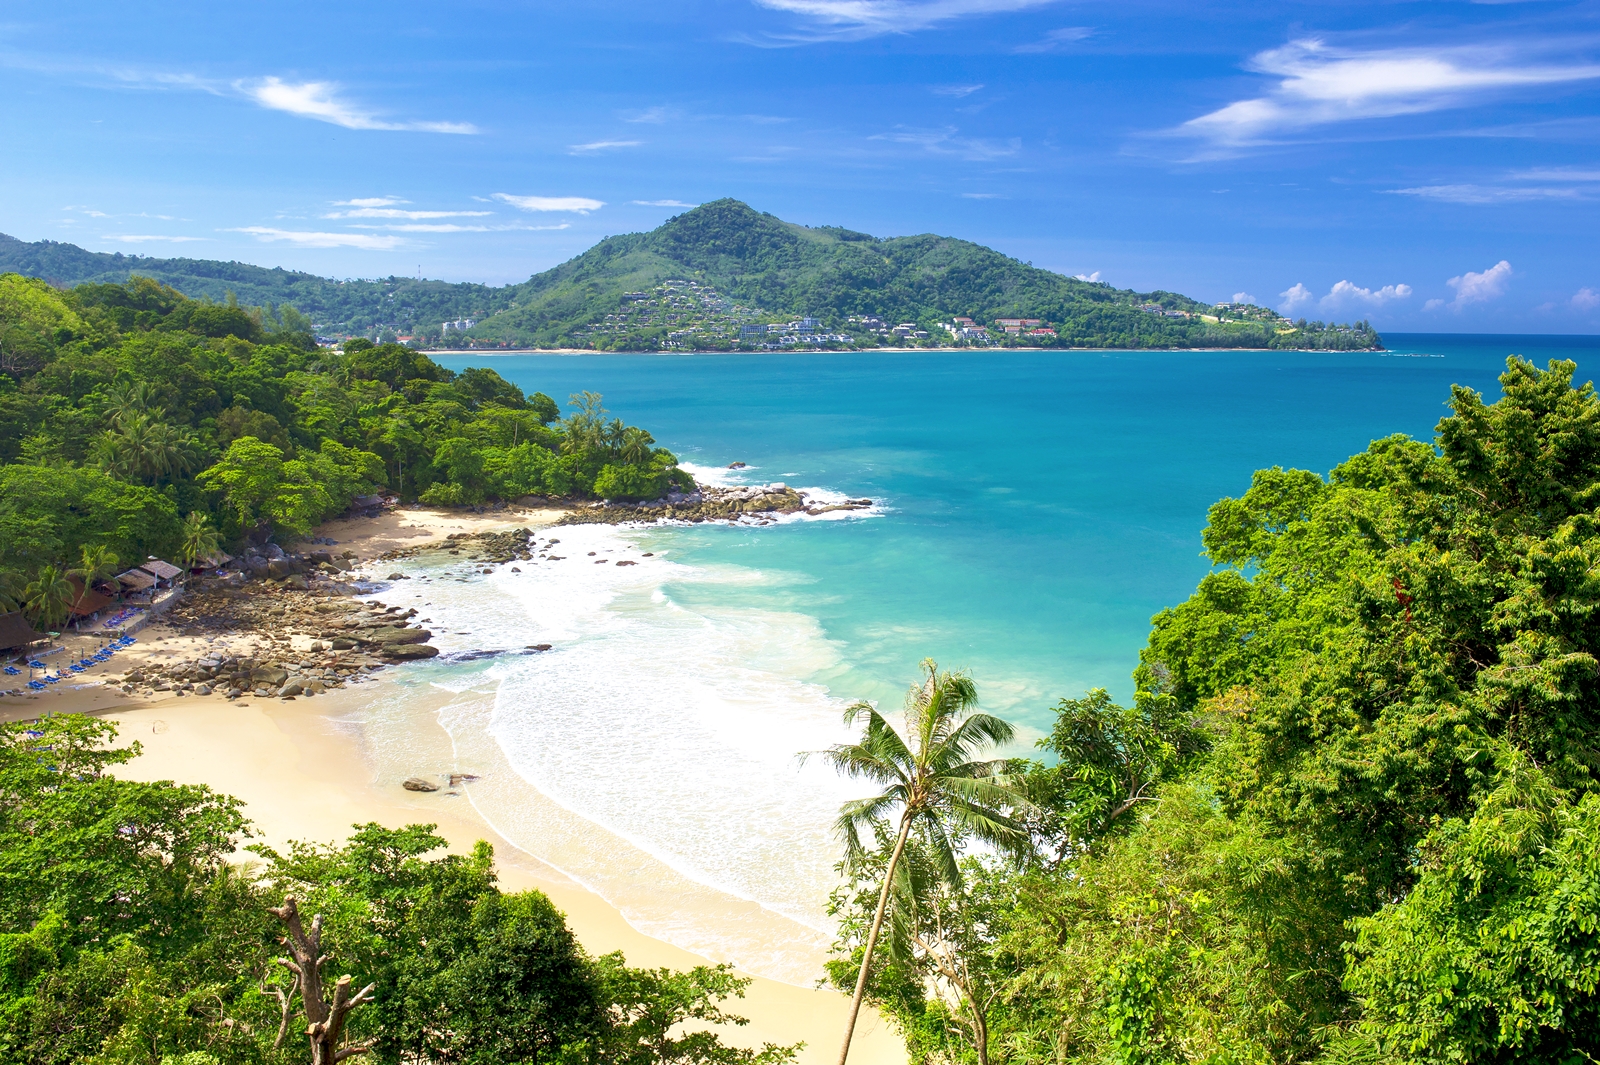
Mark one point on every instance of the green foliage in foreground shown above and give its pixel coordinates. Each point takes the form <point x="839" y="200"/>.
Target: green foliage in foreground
<point x="1354" y="812"/>
<point x="127" y="938"/>
<point x="128" y="411"/>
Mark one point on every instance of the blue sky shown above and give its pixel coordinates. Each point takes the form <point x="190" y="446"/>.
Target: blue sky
<point x="1430" y="166"/>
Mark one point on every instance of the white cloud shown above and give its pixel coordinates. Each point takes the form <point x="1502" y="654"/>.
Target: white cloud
<point x="1055" y="40"/>
<point x="130" y="238"/>
<point x="367" y="241"/>
<point x="371" y="201"/>
<point x="1476" y="287"/>
<point x="1585" y="299"/>
<point x="1295" y="298"/>
<point x="1243" y="297"/>
<point x="395" y="212"/>
<point x="1320" y="84"/>
<point x="600" y="146"/>
<point x="320" y="100"/>
<point x="580" y="204"/>
<point x="1343" y="296"/>
<point x="958" y="91"/>
<point x="1088" y="277"/>
<point x="662" y="203"/>
<point x="858" y="19"/>
<point x="980" y="196"/>
<point x="1346" y="294"/>
<point x="1477" y="194"/>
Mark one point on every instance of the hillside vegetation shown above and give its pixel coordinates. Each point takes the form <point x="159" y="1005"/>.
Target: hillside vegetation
<point x="733" y="266"/>
<point x="136" y="421"/>
<point x="1352" y="814"/>
<point x="772" y="267"/>
<point x="369" y="308"/>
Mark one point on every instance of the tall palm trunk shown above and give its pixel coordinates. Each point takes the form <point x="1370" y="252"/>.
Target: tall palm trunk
<point x="872" y="936"/>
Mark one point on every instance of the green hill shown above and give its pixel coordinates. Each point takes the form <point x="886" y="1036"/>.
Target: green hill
<point x="748" y="266"/>
<point x="366" y="307"/>
<point x="711" y="277"/>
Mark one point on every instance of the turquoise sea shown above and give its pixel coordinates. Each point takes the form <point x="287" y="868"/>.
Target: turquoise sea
<point x="1039" y="507"/>
<point x="1035" y="509"/>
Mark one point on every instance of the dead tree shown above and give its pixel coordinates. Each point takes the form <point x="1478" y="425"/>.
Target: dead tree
<point x="325" y="1019"/>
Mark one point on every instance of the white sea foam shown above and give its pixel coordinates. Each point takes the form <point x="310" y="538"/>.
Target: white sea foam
<point x="673" y="729"/>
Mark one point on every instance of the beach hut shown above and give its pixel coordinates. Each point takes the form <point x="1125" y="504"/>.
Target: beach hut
<point x="86" y="602"/>
<point x="164" y="572"/>
<point x="135" y="580"/>
<point x="210" y="562"/>
<point x="15" y="632"/>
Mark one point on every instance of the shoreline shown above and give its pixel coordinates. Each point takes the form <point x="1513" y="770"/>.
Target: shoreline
<point x="568" y="352"/>
<point x="308" y="768"/>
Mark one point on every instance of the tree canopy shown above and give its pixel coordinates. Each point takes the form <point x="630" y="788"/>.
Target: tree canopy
<point x="1352" y="813"/>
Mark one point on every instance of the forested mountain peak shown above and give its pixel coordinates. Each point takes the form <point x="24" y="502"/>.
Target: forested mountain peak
<point x="716" y="277"/>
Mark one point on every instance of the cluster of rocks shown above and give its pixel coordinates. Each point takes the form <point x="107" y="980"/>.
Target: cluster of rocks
<point x="238" y="676"/>
<point x="278" y="613"/>
<point x="490" y="548"/>
<point x="301" y="572"/>
<point x="711" y="503"/>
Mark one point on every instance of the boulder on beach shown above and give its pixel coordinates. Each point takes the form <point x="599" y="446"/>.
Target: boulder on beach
<point x="419" y="784"/>
<point x="409" y="651"/>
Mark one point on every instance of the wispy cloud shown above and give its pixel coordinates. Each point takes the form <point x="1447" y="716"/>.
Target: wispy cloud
<point x="600" y="146"/>
<point x="1574" y="183"/>
<point x="980" y="196"/>
<point x="958" y="91"/>
<point x="302" y="239"/>
<point x="853" y="20"/>
<point x="652" y="115"/>
<point x="1055" y="40"/>
<point x="946" y="141"/>
<point x="1585" y="299"/>
<point x="146" y="238"/>
<point x="320" y="100"/>
<point x="1477" y="287"/>
<point x="662" y="203"/>
<point x="1321" y="84"/>
<point x="371" y="201"/>
<point x="452" y="227"/>
<point x="1486" y="193"/>
<point x="1343" y="296"/>
<point x="396" y="212"/>
<point x="1243" y="297"/>
<point x="580" y="204"/>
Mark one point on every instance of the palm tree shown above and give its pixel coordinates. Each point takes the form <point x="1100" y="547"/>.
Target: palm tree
<point x="936" y="781"/>
<point x="11" y="594"/>
<point x="636" y="446"/>
<point x="98" y="563"/>
<point x="48" y="596"/>
<point x="126" y="400"/>
<point x="199" y="537"/>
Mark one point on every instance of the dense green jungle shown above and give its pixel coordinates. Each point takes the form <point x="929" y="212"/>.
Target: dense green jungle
<point x="754" y="266"/>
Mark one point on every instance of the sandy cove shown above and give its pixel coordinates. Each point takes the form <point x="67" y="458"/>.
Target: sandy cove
<point x="300" y="767"/>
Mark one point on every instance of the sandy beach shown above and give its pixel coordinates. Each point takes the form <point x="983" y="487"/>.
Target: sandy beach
<point x="303" y="770"/>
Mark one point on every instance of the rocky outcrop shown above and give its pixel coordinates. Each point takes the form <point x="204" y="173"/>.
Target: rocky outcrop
<point x="709" y="503"/>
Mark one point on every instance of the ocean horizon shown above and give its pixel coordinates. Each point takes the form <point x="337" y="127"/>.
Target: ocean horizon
<point x="1033" y="511"/>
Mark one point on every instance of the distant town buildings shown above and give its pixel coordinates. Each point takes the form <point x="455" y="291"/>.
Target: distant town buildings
<point x="460" y="325"/>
